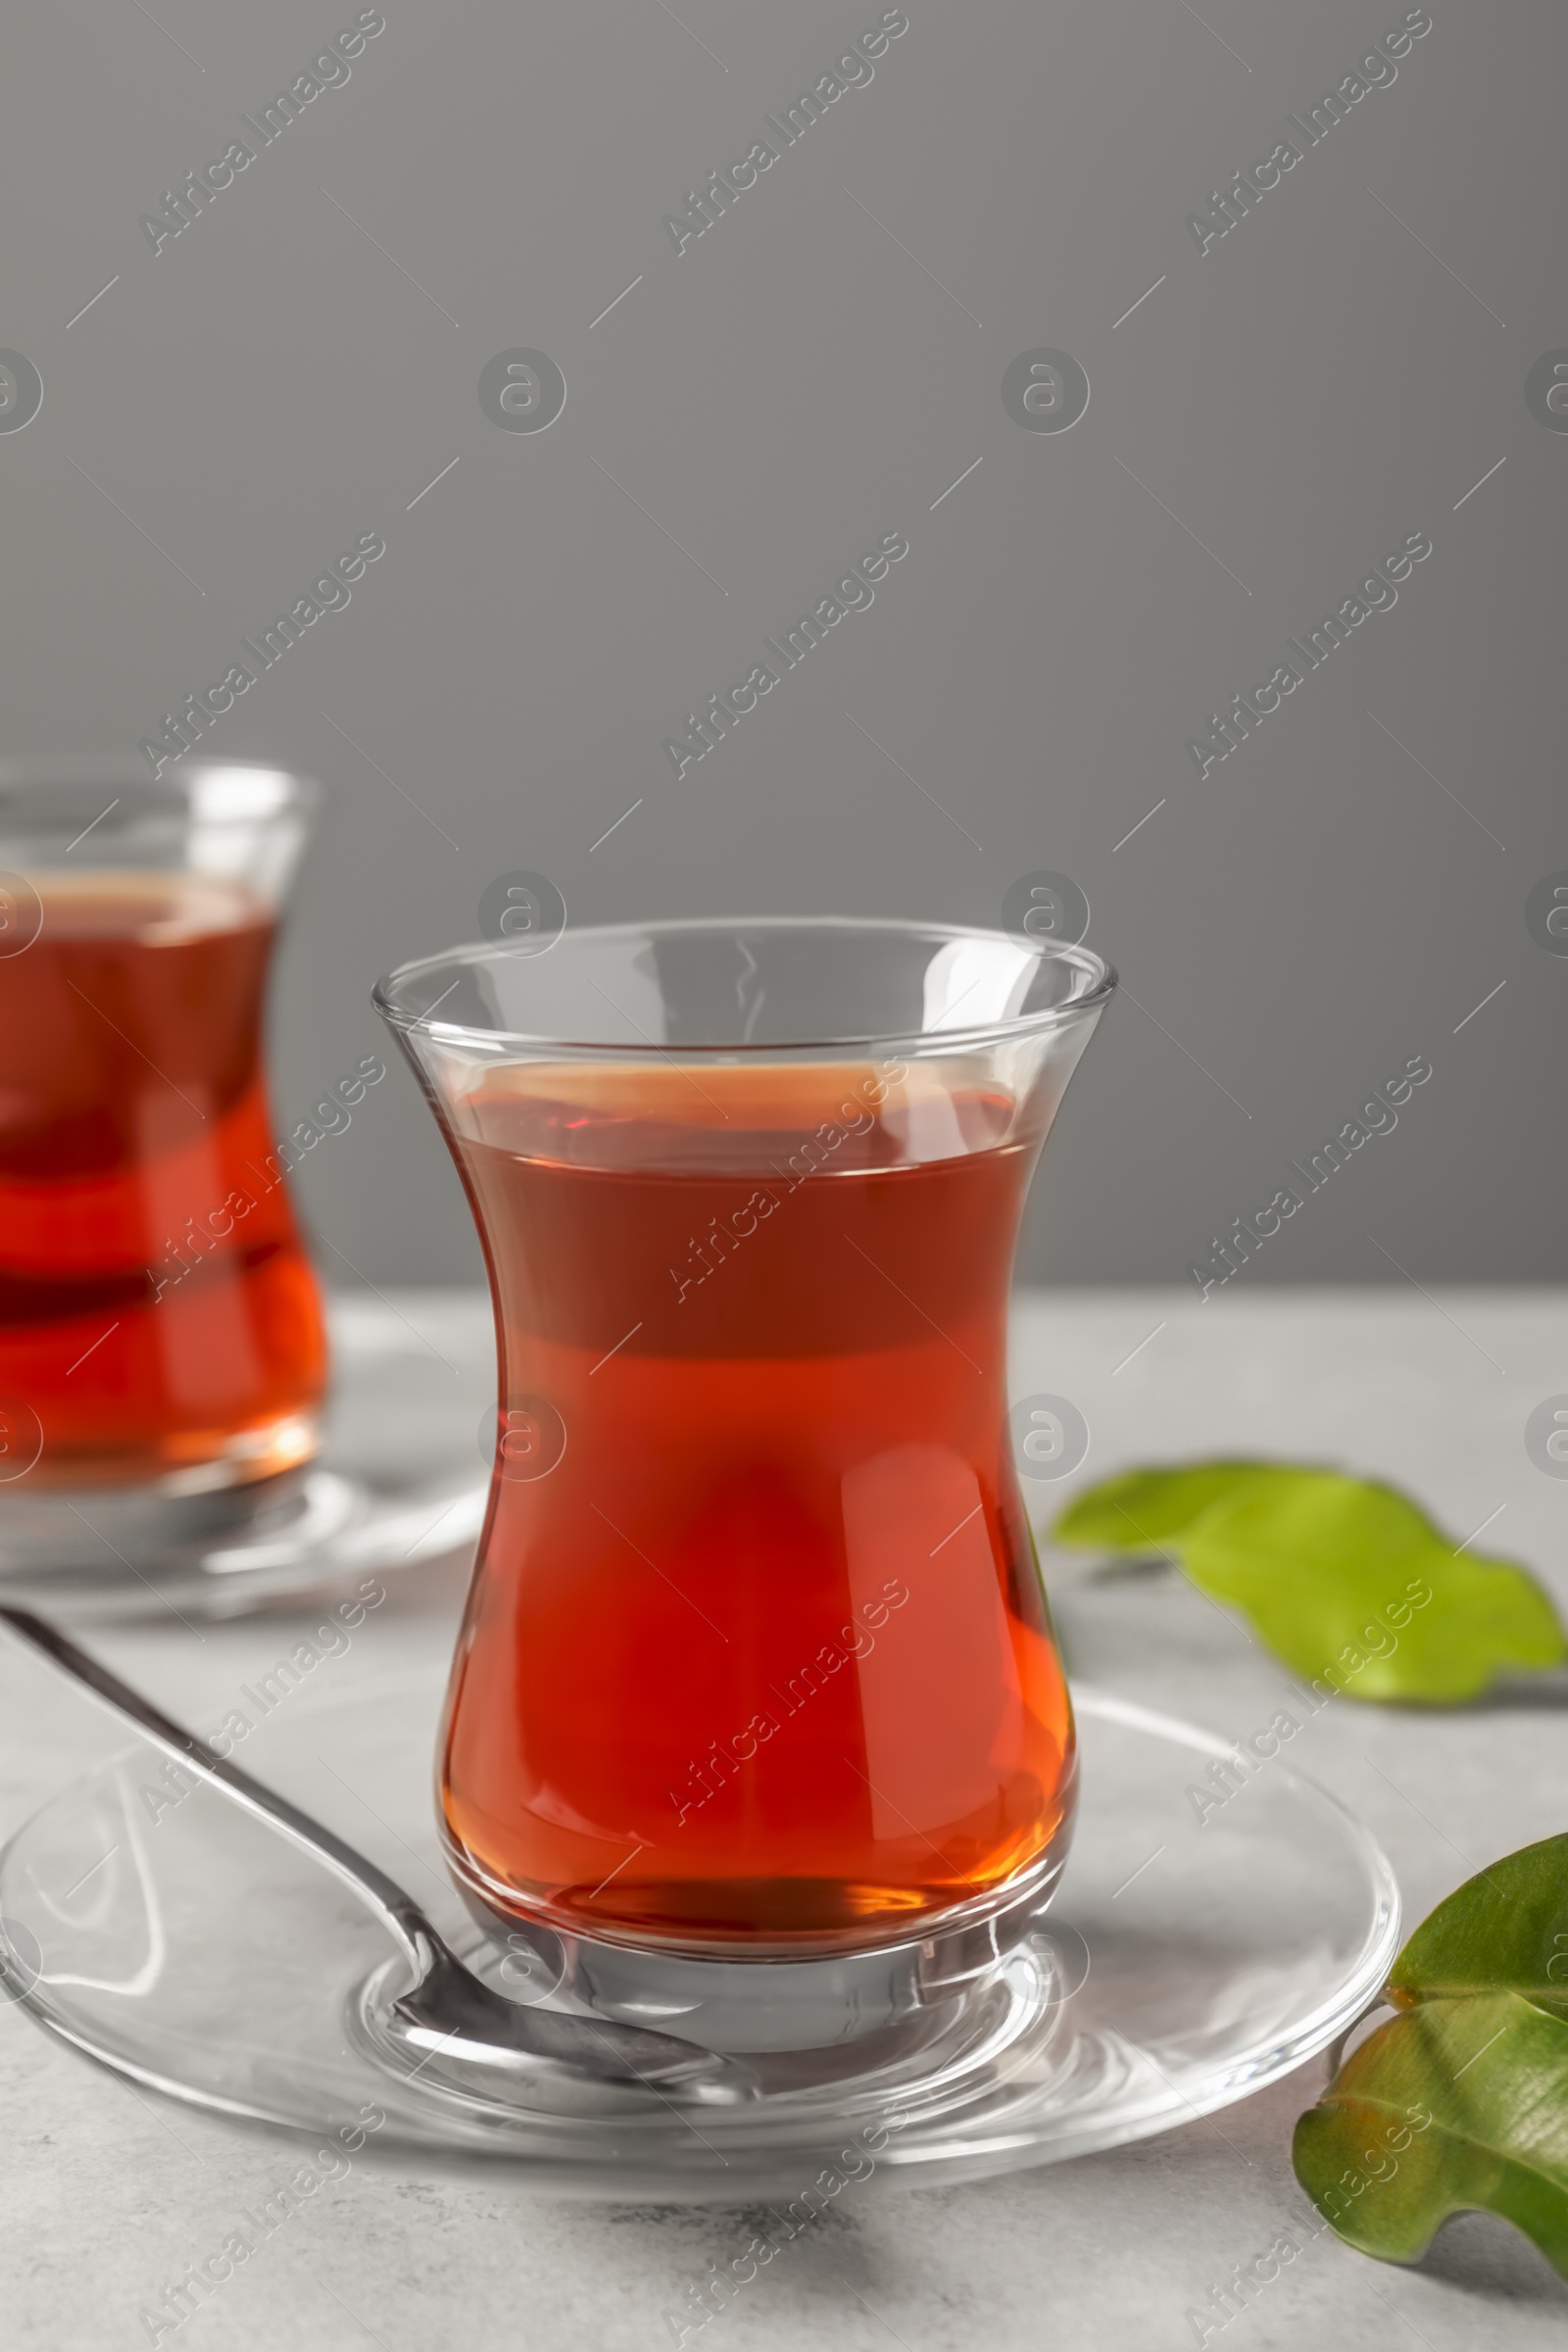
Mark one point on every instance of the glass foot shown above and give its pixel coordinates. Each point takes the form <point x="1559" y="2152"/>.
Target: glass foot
<point x="739" y="2001"/>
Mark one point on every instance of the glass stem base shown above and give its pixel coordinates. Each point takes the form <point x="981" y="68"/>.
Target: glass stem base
<point x="237" y="1498"/>
<point x="735" y="1999"/>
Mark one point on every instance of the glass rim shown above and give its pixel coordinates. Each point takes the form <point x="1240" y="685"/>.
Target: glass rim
<point x="172" y="794"/>
<point x="1097" y="972"/>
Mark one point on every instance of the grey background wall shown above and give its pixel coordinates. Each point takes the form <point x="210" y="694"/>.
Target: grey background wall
<point x="1276" y="412"/>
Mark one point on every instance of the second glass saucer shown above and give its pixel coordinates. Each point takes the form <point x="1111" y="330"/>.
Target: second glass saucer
<point x="400" y="1481"/>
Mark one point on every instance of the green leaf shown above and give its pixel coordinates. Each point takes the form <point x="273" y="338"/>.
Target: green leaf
<point x="1462" y="2100"/>
<point x="1491" y="2073"/>
<point x="1348" y="1582"/>
<point x="1506" y="1929"/>
<point x="1151" y="1511"/>
<point x="1345" y="1579"/>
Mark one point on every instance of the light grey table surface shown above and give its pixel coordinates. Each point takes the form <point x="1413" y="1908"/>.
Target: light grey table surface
<point x="108" y="2193"/>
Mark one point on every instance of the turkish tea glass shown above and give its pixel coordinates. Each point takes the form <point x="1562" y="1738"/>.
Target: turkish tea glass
<point x="161" y="1333"/>
<point x="757" y="1663"/>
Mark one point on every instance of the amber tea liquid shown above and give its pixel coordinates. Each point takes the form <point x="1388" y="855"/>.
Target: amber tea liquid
<point x="757" y="1648"/>
<point x="158" y="1315"/>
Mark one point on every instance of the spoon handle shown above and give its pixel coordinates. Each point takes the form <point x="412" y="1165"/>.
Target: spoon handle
<point x="402" y="1914"/>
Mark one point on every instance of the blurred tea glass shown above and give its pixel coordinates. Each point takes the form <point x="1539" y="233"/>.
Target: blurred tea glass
<point x="756" y="1664"/>
<point x="161" y="1330"/>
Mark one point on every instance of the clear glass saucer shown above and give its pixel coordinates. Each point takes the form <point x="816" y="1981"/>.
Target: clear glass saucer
<point x="1182" y="1966"/>
<point x="398" y="1481"/>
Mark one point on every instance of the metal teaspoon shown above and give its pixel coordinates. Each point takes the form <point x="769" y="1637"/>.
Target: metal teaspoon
<point x="448" y="2009"/>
